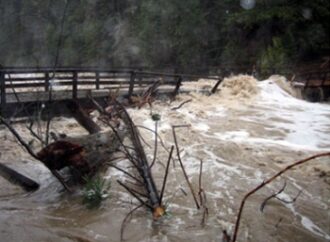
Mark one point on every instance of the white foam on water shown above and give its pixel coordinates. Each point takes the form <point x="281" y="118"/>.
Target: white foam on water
<point x="201" y="127"/>
<point x="305" y="221"/>
<point x="308" y="123"/>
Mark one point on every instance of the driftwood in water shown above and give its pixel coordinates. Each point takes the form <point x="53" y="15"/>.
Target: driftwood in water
<point x="147" y="96"/>
<point x="17" y="178"/>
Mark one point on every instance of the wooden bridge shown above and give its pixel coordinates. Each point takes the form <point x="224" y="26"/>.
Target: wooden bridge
<point x="31" y="85"/>
<point x="26" y="85"/>
<point x="314" y="85"/>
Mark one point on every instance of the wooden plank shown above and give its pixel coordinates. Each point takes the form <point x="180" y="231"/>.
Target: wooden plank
<point x="40" y="84"/>
<point x="20" y="79"/>
<point x="29" y="79"/>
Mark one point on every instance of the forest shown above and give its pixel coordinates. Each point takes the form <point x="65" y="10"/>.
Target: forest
<point x="184" y="35"/>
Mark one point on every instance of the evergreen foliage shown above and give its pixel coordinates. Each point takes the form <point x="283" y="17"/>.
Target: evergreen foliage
<point x="162" y="33"/>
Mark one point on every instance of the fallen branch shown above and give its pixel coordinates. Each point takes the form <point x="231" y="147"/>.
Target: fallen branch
<point x="292" y="201"/>
<point x="181" y="164"/>
<point x="183" y="103"/>
<point x="263" y="204"/>
<point x="123" y="224"/>
<point x="126" y="173"/>
<point x="158" y="136"/>
<point x="17" y="178"/>
<point x="155" y="146"/>
<point x="202" y="195"/>
<point x="264" y="183"/>
<point x="134" y="194"/>
<point x="19" y="138"/>
<point x="166" y="173"/>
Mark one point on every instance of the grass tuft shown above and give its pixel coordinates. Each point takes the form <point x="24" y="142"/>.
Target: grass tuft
<point x="96" y="190"/>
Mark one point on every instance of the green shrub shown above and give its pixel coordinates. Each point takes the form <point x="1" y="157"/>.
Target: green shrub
<point x="96" y="190"/>
<point x="274" y="59"/>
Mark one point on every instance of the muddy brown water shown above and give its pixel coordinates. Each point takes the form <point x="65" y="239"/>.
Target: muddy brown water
<point x="241" y="142"/>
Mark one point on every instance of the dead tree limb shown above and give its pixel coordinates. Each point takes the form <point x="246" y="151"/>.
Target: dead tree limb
<point x="134" y="194"/>
<point x="214" y="89"/>
<point x="19" y="138"/>
<point x="155" y="146"/>
<point x="292" y="201"/>
<point x="200" y="182"/>
<point x="17" y="178"/>
<point x="181" y="164"/>
<point x="183" y="103"/>
<point x="264" y="183"/>
<point x="202" y="195"/>
<point x="142" y="162"/>
<point x="123" y="224"/>
<point x="166" y="173"/>
<point x="158" y="136"/>
<point x="34" y="134"/>
<point x="61" y="180"/>
<point x="263" y="204"/>
<point x="126" y="173"/>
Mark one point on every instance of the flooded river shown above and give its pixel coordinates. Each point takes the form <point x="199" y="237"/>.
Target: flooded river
<point x="244" y="134"/>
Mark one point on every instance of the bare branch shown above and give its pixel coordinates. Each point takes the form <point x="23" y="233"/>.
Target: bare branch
<point x="133" y="194"/>
<point x="125" y="221"/>
<point x="263" y="204"/>
<point x="126" y="173"/>
<point x="183" y="103"/>
<point x="166" y="173"/>
<point x="155" y="147"/>
<point x="19" y="138"/>
<point x="181" y="164"/>
<point x="264" y="183"/>
<point x="293" y="200"/>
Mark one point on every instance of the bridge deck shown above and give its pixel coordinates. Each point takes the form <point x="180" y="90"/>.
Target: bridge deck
<point x="28" y="85"/>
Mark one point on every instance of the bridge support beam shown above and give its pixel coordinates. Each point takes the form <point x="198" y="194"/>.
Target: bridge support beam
<point x="75" y="85"/>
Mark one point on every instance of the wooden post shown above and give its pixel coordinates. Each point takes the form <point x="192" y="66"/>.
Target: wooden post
<point x="214" y="89"/>
<point x="307" y="81"/>
<point x="131" y="85"/>
<point x="140" y="78"/>
<point x="177" y="87"/>
<point x="97" y="80"/>
<point x="324" y="78"/>
<point x="74" y="85"/>
<point x="3" y="90"/>
<point x="47" y="81"/>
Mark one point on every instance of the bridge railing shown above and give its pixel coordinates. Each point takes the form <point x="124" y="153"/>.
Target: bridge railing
<point x="38" y="80"/>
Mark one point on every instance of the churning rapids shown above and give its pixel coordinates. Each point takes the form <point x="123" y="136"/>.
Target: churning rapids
<point x="244" y="134"/>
